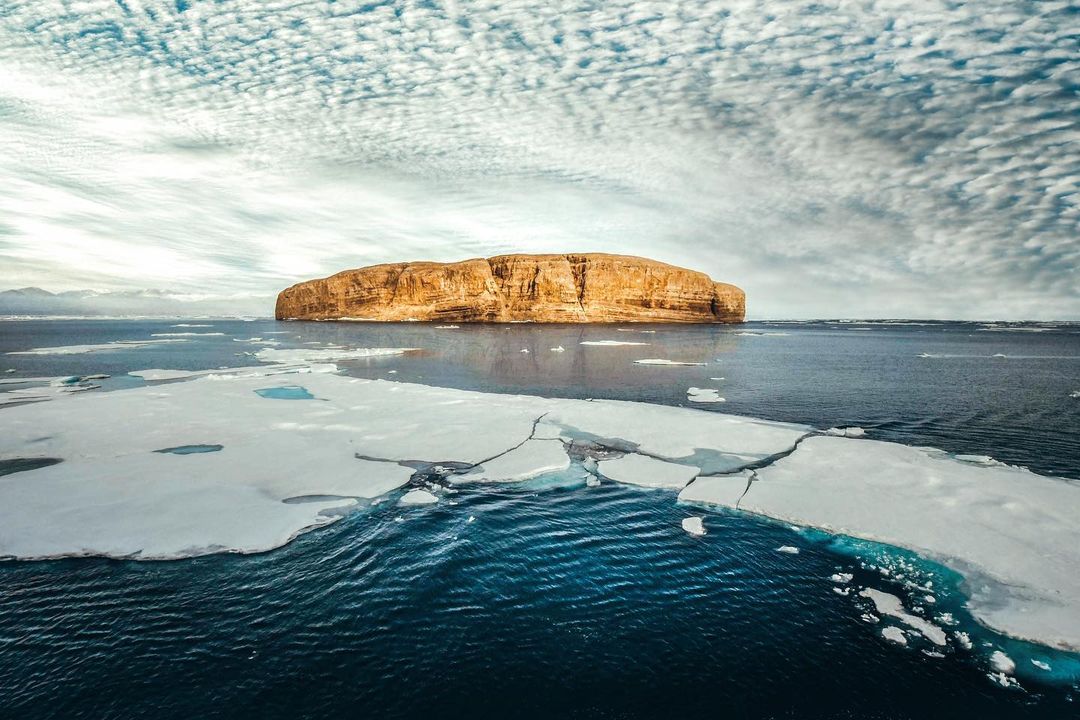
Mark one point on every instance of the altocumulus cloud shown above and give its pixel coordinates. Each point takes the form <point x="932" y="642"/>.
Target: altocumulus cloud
<point x="879" y="158"/>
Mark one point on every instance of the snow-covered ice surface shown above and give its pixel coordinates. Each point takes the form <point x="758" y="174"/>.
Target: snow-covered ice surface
<point x="694" y="525"/>
<point x="1013" y="534"/>
<point x="286" y="467"/>
<point x="662" y="361"/>
<point x="99" y="347"/>
<point x="703" y="395"/>
<point x="888" y="604"/>
<point x="647" y="472"/>
<point x="533" y="458"/>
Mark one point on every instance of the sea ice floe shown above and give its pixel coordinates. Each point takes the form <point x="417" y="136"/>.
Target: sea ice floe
<point x="100" y="347"/>
<point x="1041" y="665"/>
<point x="610" y="343"/>
<point x="662" y="361"/>
<point x="1002" y="663"/>
<point x="647" y="472"/>
<point x="289" y="466"/>
<point x="894" y="634"/>
<point x="447" y="327"/>
<point x="295" y="356"/>
<point x="887" y="604"/>
<point x="789" y="549"/>
<point x="418" y="497"/>
<point x="851" y="432"/>
<point x="1012" y="533"/>
<point x="693" y="525"/>
<point x="842" y="578"/>
<point x="703" y="395"/>
<point x="533" y="458"/>
<point x="559" y="349"/>
<point x="187" y="334"/>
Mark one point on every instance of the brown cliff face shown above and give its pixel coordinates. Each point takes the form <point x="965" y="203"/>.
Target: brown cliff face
<point x="592" y="287"/>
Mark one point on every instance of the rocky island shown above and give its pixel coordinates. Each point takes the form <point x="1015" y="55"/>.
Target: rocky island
<point x="585" y="288"/>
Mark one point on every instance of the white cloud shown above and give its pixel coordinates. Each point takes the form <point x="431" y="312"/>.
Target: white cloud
<point x="887" y="158"/>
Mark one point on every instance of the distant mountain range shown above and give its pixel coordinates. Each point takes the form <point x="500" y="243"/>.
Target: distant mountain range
<point x="33" y="301"/>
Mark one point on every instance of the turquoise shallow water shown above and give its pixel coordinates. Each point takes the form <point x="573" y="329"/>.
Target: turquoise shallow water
<point x="554" y="599"/>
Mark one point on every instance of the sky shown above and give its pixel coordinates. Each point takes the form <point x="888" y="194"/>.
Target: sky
<point x="879" y="158"/>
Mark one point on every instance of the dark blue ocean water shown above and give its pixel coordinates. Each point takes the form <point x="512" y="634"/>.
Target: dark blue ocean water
<point x="556" y="602"/>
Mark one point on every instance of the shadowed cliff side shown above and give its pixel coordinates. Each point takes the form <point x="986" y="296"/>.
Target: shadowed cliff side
<point x="592" y="287"/>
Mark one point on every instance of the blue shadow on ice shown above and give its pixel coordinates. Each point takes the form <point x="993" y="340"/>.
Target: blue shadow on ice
<point x="190" y="449"/>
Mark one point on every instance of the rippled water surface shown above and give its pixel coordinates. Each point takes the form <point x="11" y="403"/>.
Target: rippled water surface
<point x="551" y="599"/>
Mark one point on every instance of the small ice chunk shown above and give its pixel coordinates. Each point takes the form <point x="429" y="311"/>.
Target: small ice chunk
<point x="418" y="497"/>
<point x="187" y="334"/>
<point x="642" y="470"/>
<point x="894" y="634"/>
<point x="609" y="343"/>
<point x="851" y="432"/>
<point x="447" y="327"/>
<point x="842" y="578"/>
<point x="890" y="605"/>
<point x="1073" y="394"/>
<point x="592" y="481"/>
<point x="868" y="618"/>
<point x="842" y="591"/>
<point x="525" y="350"/>
<point x="560" y="348"/>
<point x="472" y="518"/>
<point x="963" y="638"/>
<point x="693" y="525"/>
<point x="1040" y="664"/>
<point x="788" y="549"/>
<point x="662" y="361"/>
<point x="704" y="395"/>
<point x="1002" y="663"/>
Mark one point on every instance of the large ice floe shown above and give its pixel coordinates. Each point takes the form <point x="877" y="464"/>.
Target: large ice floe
<point x="244" y="459"/>
<point x="1012" y="534"/>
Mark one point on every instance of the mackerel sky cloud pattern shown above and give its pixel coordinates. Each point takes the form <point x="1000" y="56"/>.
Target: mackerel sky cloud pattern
<point x="881" y="158"/>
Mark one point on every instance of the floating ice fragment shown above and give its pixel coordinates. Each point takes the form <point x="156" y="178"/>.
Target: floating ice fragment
<point x="890" y="605"/>
<point x="963" y="638"/>
<point x="661" y="361"/>
<point x="788" y="549"/>
<point x="1040" y="664"/>
<point x="531" y="459"/>
<point x="472" y="518"/>
<point x="191" y="325"/>
<point x="693" y="525"/>
<point x="894" y="634"/>
<point x="101" y="347"/>
<point x="868" y="618"/>
<point x="851" y="432"/>
<point x="1002" y="662"/>
<point x="609" y="343"/>
<point x="418" y="497"/>
<point x="560" y="348"/>
<point x="1073" y="394"/>
<point x="447" y="327"/>
<point x="842" y="578"/>
<point x="842" y="591"/>
<point x="704" y="395"/>
<point x="525" y="350"/>
<point x="186" y="334"/>
<point x="635" y="469"/>
<point x="296" y="356"/>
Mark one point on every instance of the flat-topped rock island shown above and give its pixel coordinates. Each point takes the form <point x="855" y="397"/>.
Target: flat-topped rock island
<point x="582" y="288"/>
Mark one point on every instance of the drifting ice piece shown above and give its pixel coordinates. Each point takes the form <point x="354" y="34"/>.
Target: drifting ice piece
<point x="1010" y="531"/>
<point x="647" y="472"/>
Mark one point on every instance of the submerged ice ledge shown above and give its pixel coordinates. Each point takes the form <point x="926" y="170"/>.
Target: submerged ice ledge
<point x="117" y="495"/>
